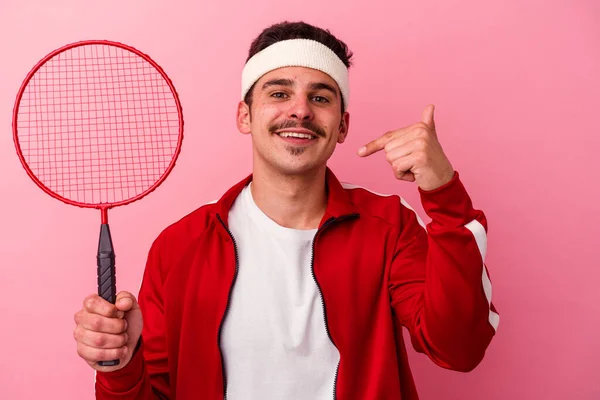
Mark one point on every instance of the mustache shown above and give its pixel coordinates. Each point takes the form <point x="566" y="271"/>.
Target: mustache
<point x="318" y="131"/>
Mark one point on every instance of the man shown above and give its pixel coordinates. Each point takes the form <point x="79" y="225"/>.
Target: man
<point x="293" y="285"/>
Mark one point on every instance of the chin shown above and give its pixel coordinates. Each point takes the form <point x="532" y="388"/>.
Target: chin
<point x="282" y="162"/>
<point x="297" y="168"/>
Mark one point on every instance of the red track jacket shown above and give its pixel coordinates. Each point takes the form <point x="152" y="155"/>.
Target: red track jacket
<point x="377" y="268"/>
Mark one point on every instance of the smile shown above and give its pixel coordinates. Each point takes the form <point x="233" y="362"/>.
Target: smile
<point x="296" y="135"/>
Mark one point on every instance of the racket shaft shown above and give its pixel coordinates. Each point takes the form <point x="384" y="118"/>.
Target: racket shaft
<point x="107" y="287"/>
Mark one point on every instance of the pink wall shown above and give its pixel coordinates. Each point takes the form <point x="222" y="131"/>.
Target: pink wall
<point x="516" y="88"/>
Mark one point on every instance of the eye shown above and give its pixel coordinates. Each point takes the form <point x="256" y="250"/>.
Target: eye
<point x="278" y="95"/>
<point x="321" y="99"/>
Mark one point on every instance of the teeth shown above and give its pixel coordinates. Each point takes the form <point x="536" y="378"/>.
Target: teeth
<point x="296" y="135"/>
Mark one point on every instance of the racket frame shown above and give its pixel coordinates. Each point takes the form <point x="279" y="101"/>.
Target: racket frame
<point x="103" y="207"/>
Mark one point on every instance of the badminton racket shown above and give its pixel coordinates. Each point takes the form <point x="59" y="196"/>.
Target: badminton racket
<point x="98" y="124"/>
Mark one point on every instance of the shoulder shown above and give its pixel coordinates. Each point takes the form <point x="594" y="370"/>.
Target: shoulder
<point x="389" y="207"/>
<point x="185" y="234"/>
<point x="174" y="240"/>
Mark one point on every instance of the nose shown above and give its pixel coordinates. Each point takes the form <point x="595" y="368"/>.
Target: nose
<point x="300" y="109"/>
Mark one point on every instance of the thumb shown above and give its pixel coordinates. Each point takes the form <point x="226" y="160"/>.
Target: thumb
<point x="126" y="301"/>
<point x="427" y="116"/>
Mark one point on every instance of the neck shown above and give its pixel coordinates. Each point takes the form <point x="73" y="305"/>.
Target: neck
<point x="292" y="201"/>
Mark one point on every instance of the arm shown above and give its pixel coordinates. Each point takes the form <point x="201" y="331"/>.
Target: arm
<point x="439" y="286"/>
<point x="146" y="376"/>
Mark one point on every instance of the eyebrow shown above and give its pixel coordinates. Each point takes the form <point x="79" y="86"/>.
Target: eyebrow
<point x="323" y="86"/>
<point x="289" y="83"/>
<point x="278" y="82"/>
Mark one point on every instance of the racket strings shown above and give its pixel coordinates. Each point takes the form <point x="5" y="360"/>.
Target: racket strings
<point x="98" y="124"/>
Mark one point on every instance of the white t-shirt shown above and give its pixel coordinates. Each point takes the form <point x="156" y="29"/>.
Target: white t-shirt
<point x="274" y="341"/>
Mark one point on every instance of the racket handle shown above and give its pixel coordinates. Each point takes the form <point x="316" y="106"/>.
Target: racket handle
<point x="107" y="287"/>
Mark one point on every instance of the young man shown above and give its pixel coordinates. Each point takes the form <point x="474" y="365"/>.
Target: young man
<point x="293" y="285"/>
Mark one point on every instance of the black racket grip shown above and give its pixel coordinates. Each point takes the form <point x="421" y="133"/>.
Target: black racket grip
<point x="107" y="286"/>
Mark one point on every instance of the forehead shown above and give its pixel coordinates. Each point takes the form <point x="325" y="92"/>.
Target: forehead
<point x="300" y="76"/>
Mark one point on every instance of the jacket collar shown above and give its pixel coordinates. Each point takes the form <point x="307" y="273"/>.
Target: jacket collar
<point x="339" y="203"/>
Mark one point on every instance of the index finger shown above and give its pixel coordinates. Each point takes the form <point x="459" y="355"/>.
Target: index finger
<point x="375" y="145"/>
<point x="95" y="304"/>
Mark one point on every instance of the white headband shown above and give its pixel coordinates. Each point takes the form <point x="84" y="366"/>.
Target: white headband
<point x="296" y="53"/>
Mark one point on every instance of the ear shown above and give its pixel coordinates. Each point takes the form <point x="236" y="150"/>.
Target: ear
<point x="243" y="118"/>
<point x="344" y="125"/>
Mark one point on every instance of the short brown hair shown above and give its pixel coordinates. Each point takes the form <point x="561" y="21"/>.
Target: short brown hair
<point x="297" y="30"/>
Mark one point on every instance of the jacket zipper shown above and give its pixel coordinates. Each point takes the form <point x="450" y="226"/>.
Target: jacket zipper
<point x="237" y="263"/>
<point x="312" y="269"/>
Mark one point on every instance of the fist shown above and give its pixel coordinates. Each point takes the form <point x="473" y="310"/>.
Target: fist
<point x="414" y="153"/>
<point x="106" y="331"/>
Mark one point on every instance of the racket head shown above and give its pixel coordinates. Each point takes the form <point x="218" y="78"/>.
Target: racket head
<point x="115" y="85"/>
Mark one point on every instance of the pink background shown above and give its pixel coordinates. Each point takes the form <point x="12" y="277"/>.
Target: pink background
<point x="516" y="88"/>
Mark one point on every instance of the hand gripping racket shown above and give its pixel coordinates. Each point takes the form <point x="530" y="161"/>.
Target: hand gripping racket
<point x="98" y="124"/>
